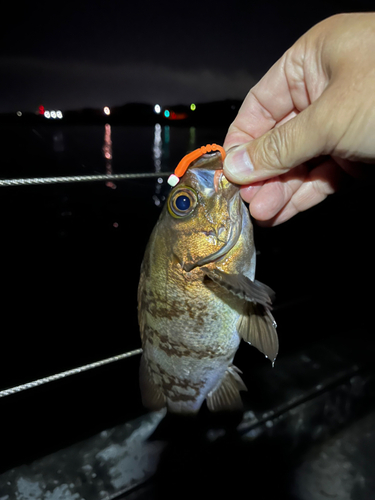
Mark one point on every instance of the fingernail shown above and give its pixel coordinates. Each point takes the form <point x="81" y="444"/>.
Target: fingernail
<point x="238" y="165"/>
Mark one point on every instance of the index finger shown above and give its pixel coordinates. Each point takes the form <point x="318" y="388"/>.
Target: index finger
<point x="268" y="102"/>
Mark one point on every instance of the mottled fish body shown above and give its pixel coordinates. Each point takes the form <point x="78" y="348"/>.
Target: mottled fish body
<point x="197" y="296"/>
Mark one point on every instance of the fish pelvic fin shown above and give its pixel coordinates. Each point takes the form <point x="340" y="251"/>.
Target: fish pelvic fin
<point x="257" y="327"/>
<point x="152" y="395"/>
<point x="226" y="395"/>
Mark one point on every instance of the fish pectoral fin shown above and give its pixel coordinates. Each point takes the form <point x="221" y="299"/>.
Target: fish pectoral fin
<point x="257" y="327"/>
<point x="152" y="395"/>
<point x="242" y="286"/>
<point x="226" y="396"/>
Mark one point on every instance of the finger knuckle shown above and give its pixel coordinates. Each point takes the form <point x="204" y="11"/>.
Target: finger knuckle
<point x="273" y="150"/>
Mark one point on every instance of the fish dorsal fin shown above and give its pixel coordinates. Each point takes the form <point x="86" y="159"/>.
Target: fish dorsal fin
<point x="226" y="395"/>
<point x="257" y="327"/>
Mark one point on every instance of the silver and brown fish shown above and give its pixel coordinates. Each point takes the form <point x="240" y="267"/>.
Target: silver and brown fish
<point x="197" y="295"/>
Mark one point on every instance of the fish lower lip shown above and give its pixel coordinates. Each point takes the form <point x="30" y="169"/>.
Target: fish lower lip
<point x="234" y="234"/>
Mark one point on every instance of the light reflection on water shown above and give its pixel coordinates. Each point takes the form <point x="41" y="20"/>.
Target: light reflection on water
<point x="160" y="156"/>
<point x="157" y="149"/>
<point x="160" y="148"/>
<point x="78" y="150"/>
<point x="161" y="153"/>
<point x="164" y="139"/>
<point x="58" y="142"/>
<point x="107" y="152"/>
<point x="192" y="143"/>
<point x="157" y="155"/>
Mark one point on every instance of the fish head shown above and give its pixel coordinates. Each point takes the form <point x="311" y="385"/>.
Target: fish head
<point x="204" y="217"/>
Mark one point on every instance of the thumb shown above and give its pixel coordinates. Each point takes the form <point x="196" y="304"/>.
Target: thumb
<point x="278" y="150"/>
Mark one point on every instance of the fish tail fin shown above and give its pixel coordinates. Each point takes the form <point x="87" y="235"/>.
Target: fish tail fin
<point x="226" y="395"/>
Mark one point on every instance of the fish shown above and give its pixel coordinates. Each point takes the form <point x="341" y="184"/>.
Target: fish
<point x="198" y="297"/>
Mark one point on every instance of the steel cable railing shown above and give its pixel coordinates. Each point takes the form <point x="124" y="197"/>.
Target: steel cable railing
<point x="67" y="373"/>
<point x="61" y="180"/>
<point x="78" y="178"/>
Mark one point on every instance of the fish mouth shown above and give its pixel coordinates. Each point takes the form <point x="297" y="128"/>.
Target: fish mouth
<point x="234" y="234"/>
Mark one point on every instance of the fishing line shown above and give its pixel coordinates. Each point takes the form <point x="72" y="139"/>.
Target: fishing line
<point x="68" y="373"/>
<point x="78" y="178"/>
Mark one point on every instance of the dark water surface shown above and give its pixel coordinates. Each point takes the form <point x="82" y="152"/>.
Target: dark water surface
<point x="78" y="150"/>
<point x="71" y="255"/>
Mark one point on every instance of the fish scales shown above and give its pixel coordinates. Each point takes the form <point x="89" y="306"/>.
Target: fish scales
<point x="193" y="309"/>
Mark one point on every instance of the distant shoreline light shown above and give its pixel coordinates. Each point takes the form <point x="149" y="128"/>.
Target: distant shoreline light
<point x="53" y="114"/>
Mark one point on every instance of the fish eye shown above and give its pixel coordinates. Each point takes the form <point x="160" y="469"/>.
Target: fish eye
<point x="182" y="202"/>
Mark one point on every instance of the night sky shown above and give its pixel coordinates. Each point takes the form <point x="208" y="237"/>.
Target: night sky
<point x="68" y="55"/>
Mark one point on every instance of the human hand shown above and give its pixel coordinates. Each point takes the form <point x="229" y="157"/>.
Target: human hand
<point x="317" y="101"/>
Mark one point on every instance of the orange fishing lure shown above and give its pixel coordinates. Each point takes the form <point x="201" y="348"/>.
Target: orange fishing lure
<point x="184" y="164"/>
